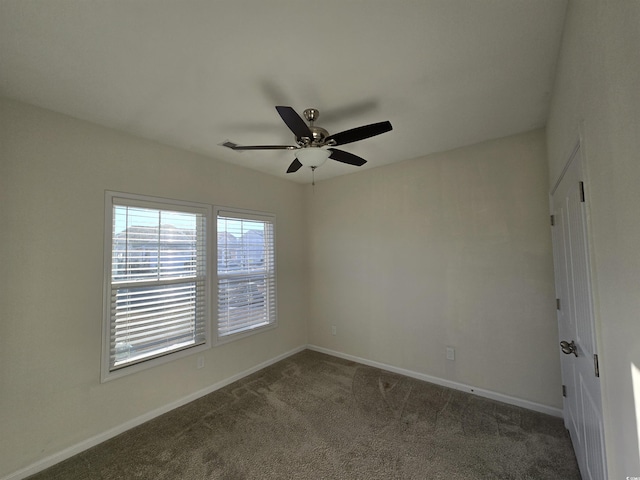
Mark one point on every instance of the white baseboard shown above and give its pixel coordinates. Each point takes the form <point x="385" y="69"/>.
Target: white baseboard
<point x="519" y="402"/>
<point x="104" y="436"/>
<point x="101" y="437"/>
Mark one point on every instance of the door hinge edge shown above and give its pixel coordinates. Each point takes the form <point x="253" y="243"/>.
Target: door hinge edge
<point x="582" y="192"/>
<point x="564" y="390"/>
<point x="596" y="366"/>
<point x="553" y="220"/>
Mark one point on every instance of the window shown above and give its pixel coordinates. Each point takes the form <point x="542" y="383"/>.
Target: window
<point x="156" y="281"/>
<point x="246" y="272"/>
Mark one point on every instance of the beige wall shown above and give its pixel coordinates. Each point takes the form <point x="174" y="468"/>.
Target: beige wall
<point x="53" y="174"/>
<point x="453" y="249"/>
<point x="597" y="96"/>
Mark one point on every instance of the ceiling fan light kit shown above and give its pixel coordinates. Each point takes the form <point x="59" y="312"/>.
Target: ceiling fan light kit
<point x="314" y="144"/>
<point x="312" y="156"/>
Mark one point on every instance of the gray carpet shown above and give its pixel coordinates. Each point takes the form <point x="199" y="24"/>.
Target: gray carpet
<point x="313" y="416"/>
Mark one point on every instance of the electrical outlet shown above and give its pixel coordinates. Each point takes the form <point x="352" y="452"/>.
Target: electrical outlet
<point x="334" y="330"/>
<point x="200" y="361"/>
<point x="451" y="353"/>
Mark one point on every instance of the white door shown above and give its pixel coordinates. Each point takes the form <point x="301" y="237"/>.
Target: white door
<point x="579" y="356"/>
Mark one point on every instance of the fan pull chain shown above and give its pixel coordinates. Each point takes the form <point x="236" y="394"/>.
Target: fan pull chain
<point x="313" y="176"/>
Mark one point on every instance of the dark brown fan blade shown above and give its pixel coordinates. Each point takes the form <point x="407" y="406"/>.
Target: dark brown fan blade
<point x="359" y="133"/>
<point x="295" y="122"/>
<point x="295" y="166"/>
<point x="235" y="146"/>
<point x="346" y="157"/>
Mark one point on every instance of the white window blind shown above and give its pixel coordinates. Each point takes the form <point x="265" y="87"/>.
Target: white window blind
<point x="158" y="280"/>
<point x="246" y="272"/>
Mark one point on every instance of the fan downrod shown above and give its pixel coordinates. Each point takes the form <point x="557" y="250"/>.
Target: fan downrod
<point x="319" y="133"/>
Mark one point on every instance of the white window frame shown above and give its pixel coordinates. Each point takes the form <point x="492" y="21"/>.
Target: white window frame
<point x="269" y="271"/>
<point x="112" y="198"/>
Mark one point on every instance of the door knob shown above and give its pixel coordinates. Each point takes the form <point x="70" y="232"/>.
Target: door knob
<point x="569" y="348"/>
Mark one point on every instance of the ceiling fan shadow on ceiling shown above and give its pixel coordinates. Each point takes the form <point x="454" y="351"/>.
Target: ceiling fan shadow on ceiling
<point x="313" y="144"/>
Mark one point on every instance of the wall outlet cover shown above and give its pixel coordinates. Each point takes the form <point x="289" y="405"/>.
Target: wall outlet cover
<point x="451" y="353"/>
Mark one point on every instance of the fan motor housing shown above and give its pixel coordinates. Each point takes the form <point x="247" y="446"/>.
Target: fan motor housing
<point x="319" y="134"/>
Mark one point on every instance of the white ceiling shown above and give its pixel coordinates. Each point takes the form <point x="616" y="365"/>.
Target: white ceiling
<point x="193" y="73"/>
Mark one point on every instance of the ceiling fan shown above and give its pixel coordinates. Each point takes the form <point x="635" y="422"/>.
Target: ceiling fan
<point x="314" y="144"/>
